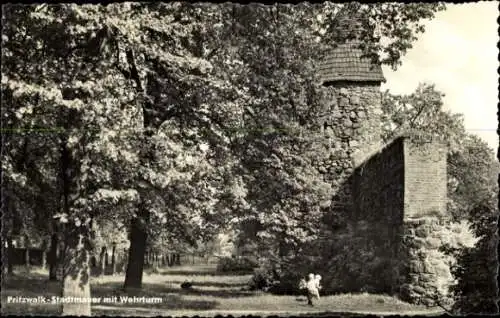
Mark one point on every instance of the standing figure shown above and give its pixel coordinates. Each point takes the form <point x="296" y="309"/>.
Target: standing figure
<point x="317" y="279"/>
<point x="312" y="290"/>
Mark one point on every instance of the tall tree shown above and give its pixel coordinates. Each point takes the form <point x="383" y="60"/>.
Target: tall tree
<point x="74" y="104"/>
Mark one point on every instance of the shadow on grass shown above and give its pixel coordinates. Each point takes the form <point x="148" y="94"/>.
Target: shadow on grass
<point x="203" y="273"/>
<point x="29" y="285"/>
<point x="159" y="290"/>
<point x="210" y="284"/>
<point x="35" y="310"/>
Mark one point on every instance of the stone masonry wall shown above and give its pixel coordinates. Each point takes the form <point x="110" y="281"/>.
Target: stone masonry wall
<point x="401" y="193"/>
<point x="391" y="200"/>
<point x="379" y="185"/>
<point x="392" y="236"/>
<point x="351" y="127"/>
<point x="424" y="268"/>
<point x="378" y="197"/>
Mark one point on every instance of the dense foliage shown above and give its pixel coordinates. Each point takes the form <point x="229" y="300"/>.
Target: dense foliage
<point x="236" y="265"/>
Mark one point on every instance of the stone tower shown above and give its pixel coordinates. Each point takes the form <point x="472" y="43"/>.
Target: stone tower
<point x="351" y="81"/>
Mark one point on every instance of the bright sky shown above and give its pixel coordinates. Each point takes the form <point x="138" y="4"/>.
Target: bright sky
<point x="458" y="53"/>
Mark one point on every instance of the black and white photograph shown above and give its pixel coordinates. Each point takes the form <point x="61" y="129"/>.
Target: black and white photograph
<point x="230" y="159"/>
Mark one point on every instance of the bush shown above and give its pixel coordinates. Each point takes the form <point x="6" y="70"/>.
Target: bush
<point x="239" y="264"/>
<point x="262" y="279"/>
<point x="476" y="269"/>
<point x="271" y="279"/>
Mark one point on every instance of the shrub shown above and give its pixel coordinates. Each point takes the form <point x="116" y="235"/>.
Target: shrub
<point x="277" y="279"/>
<point x="237" y="264"/>
<point x="476" y="269"/>
<point x="262" y="279"/>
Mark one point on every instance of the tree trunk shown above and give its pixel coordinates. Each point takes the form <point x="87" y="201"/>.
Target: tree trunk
<point x="147" y="258"/>
<point x="137" y="250"/>
<point x="27" y="258"/>
<point x="138" y="230"/>
<point x="75" y="256"/>
<point x="102" y="261"/>
<point x="76" y="274"/>
<point x="52" y="257"/>
<point x="113" y="260"/>
<point x="44" y="259"/>
<point x="157" y="260"/>
<point x="7" y="257"/>
<point x="124" y="260"/>
<point x="106" y="258"/>
<point x="10" y="256"/>
<point x="44" y="253"/>
<point x="5" y="260"/>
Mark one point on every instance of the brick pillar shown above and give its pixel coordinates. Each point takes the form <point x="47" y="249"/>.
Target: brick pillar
<point x="424" y="269"/>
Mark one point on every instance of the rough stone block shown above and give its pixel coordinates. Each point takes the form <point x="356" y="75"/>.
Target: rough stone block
<point x="343" y="102"/>
<point x="432" y="242"/>
<point x="336" y="114"/>
<point x="425" y="278"/>
<point x="423" y="230"/>
<point x="354" y="100"/>
<point x="419" y="290"/>
<point x="443" y="271"/>
<point x="416" y="266"/>
<point x="418" y="242"/>
<point x="427" y="301"/>
<point x="329" y="133"/>
<point x="414" y="278"/>
<point x="353" y="143"/>
<point x="332" y="103"/>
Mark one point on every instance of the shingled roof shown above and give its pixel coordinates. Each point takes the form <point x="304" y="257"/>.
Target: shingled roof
<point x="347" y="63"/>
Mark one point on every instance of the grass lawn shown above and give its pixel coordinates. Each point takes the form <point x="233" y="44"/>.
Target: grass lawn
<point x="211" y="294"/>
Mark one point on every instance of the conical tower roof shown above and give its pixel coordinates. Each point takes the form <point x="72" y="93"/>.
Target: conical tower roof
<point x="347" y="62"/>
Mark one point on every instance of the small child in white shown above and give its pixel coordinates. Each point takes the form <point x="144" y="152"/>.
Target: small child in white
<point x="312" y="291"/>
<point x="317" y="279"/>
